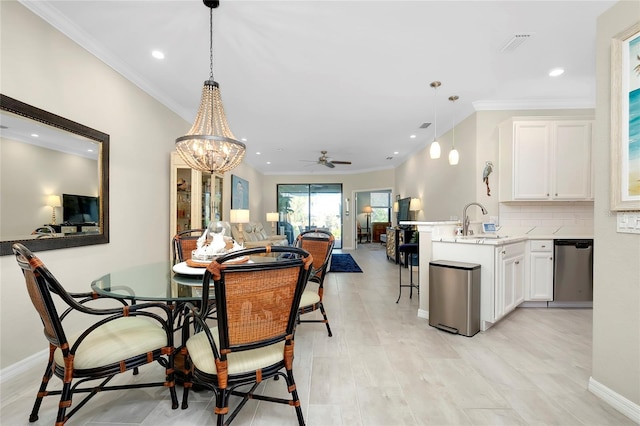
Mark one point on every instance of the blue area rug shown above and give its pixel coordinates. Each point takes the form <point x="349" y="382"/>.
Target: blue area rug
<point x="343" y="263"/>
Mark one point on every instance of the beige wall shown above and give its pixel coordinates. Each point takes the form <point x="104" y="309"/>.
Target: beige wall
<point x="41" y="67"/>
<point x="616" y="298"/>
<point x="28" y="174"/>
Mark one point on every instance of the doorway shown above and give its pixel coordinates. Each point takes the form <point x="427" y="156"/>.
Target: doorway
<point x="309" y="206"/>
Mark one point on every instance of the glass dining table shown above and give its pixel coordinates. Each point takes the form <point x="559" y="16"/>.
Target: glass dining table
<point x="159" y="281"/>
<point x="152" y="282"/>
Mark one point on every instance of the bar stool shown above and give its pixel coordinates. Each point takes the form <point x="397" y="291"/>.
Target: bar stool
<point x="409" y="249"/>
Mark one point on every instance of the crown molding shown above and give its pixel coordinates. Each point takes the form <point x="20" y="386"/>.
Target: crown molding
<point x="53" y="17"/>
<point x="532" y="104"/>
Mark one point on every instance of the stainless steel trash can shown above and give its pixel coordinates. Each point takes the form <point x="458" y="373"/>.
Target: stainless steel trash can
<point x="454" y="296"/>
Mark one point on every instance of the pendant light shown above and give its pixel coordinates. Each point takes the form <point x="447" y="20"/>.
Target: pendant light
<point x="210" y="146"/>
<point x="454" y="157"/>
<point x="434" y="149"/>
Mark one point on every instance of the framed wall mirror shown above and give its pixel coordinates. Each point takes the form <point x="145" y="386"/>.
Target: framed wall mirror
<point x="54" y="180"/>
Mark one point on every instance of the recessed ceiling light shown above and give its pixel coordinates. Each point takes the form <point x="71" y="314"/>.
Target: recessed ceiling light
<point x="243" y="139"/>
<point x="556" y="72"/>
<point x="258" y="153"/>
<point x="35" y="135"/>
<point x="412" y="136"/>
<point x="395" y="153"/>
<point x="268" y="162"/>
<point x="157" y="54"/>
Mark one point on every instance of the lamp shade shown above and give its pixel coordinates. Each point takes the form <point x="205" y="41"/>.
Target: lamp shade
<point x="415" y="205"/>
<point x="367" y="209"/>
<point x="53" y="201"/>
<point x="239" y="216"/>
<point x="454" y="157"/>
<point x="273" y="217"/>
<point x="396" y="207"/>
<point x="434" y="150"/>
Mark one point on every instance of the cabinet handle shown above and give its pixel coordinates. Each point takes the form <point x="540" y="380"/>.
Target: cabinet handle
<point x="517" y="262"/>
<point x="556" y="194"/>
<point x="543" y="246"/>
<point x="551" y="258"/>
<point x="504" y="252"/>
<point x="547" y="194"/>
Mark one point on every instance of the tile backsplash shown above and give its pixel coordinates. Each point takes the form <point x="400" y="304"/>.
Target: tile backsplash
<point x="547" y="214"/>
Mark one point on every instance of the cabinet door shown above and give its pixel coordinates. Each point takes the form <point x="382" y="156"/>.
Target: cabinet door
<point x="512" y="284"/>
<point x="531" y="160"/>
<point x="572" y="160"/>
<point x="541" y="276"/>
<point x="510" y="277"/>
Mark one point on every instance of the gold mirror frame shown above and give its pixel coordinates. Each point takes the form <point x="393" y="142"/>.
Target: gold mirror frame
<point x="40" y="244"/>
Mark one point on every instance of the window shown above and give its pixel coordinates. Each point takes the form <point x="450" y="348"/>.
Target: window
<point x="381" y="207"/>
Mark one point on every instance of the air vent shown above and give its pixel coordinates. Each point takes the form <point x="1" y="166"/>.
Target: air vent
<point x="425" y="125"/>
<point x="514" y="42"/>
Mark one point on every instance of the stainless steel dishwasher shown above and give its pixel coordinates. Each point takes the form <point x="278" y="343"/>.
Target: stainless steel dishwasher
<point x="573" y="273"/>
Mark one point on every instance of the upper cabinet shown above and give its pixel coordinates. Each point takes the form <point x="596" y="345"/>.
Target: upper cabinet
<point x="196" y="197"/>
<point x="546" y="159"/>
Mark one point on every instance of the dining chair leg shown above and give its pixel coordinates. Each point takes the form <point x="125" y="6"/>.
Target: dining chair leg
<point x="326" y="320"/>
<point x="48" y="372"/>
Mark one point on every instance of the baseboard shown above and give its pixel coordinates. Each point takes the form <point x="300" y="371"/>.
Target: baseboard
<point x="37" y="360"/>
<point x="617" y="401"/>
<point x="423" y="314"/>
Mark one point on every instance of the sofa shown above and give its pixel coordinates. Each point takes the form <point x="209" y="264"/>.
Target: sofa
<point x="253" y="235"/>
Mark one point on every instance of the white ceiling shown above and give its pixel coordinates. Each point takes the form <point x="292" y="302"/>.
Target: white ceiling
<point x="350" y="77"/>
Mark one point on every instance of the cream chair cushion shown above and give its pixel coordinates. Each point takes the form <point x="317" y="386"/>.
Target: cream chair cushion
<point x="309" y="297"/>
<point x="115" y="341"/>
<point x="237" y="362"/>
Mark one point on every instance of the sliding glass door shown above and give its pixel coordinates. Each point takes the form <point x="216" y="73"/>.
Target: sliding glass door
<point x="309" y="206"/>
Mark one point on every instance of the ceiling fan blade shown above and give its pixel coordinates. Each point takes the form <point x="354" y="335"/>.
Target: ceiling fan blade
<point x="340" y="162"/>
<point x="329" y="164"/>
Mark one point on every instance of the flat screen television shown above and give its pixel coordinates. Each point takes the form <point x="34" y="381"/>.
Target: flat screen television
<point x="403" y="209"/>
<point x="80" y="209"/>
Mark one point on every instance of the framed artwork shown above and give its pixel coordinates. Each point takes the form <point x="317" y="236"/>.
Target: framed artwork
<point x="625" y="120"/>
<point x="239" y="193"/>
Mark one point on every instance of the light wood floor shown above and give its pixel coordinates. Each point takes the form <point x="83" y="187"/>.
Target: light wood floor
<point x="386" y="366"/>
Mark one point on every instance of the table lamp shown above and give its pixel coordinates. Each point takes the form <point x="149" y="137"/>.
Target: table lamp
<point x="273" y="217"/>
<point x="53" y="201"/>
<point x="415" y="205"/>
<point x="239" y="216"/>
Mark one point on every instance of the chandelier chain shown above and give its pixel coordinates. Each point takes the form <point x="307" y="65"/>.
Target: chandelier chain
<point x="211" y="43"/>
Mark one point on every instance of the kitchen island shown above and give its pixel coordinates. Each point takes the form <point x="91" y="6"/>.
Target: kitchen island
<point x="516" y="268"/>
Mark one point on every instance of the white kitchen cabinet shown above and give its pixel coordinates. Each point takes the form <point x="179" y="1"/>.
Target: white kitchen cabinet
<point x="546" y="159"/>
<point x="509" y="287"/>
<point x="540" y="271"/>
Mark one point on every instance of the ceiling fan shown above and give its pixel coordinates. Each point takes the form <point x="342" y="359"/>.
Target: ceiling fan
<point x="326" y="161"/>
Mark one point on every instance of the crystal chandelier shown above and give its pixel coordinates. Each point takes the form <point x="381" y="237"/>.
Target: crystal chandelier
<point x="210" y="146"/>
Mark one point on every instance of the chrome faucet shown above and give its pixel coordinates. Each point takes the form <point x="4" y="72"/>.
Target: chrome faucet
<point x="465" y="223"/>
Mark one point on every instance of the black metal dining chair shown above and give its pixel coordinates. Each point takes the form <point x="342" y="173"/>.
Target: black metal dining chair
<point x="252" y="338"/>
<point x="320" y="244"/>
<point x="118" y="340"/>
